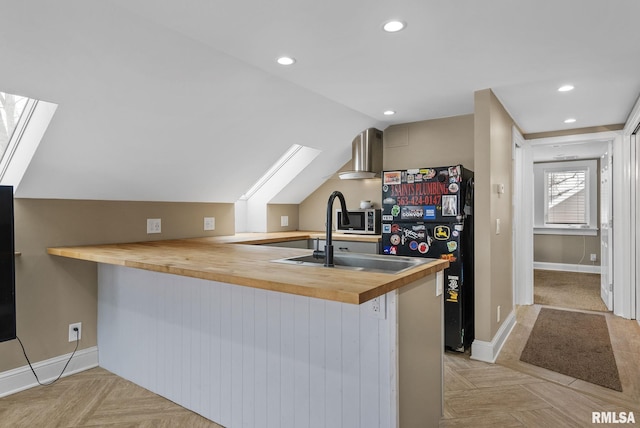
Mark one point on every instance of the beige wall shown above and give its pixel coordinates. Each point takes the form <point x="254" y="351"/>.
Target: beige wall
<point x="313" y="210"/>
<point x="493" y="255"/>
<point x="52" y="292"/>
<point x="276" y="211"/>
<point x="437" y="142"/>
<point x="568" y="249"/>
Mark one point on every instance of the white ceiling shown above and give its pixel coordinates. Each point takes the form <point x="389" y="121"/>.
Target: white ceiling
<point x="591" y="149"/>
<point x="183" y="100"/>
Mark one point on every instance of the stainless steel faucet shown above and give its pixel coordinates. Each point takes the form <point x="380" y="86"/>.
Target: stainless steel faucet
<point x="328" y="247"/>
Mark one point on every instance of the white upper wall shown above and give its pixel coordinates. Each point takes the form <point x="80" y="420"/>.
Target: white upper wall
<point x="147" y="114"/>
<point x="182" y="100"/>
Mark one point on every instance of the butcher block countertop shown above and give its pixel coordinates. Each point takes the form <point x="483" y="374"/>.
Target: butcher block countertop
<point x="237" y="260"/>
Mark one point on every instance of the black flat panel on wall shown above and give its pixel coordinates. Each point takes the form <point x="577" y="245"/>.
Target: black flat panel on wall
<point x="7" y="266"/>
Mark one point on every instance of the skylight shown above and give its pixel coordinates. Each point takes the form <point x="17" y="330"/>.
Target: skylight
<point x="11" y="109"/>
<point x="23" y="122"/>
<point x="252" y="205"/>
<point x="294" y="160"/>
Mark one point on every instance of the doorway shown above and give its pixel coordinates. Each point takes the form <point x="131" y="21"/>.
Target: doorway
<point x="571" y="250"/>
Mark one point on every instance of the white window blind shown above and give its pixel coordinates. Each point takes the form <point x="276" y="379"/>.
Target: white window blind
<point x="566" y="197"/>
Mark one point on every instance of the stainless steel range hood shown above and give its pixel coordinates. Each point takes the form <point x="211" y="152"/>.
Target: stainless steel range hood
<point x="366" y="155"/>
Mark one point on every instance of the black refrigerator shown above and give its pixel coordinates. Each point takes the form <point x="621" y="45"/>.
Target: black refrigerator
<point x="428" y="212"/>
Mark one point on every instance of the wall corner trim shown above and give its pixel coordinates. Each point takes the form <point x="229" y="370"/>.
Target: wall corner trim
<point x="20" y="379"/>
<point x="489" y="351"/>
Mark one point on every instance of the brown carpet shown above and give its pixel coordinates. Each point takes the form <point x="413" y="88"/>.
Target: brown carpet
<point x="575" y="344"/>
<point x="568" y="290"/>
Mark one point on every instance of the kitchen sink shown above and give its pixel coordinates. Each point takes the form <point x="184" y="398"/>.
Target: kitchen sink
<point x="361" y="262"/>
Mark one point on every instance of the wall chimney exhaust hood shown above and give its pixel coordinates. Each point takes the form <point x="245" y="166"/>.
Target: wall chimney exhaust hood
<point x="366" y="155"/>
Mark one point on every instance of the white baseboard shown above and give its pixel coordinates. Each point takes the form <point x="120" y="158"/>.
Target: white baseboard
<point x="567" y="267"/>
<point x="489" y="351"/>
<point x="19" y="379"/>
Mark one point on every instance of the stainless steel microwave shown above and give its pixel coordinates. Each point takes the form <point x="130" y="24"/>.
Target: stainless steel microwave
<point x="365" y="222"/>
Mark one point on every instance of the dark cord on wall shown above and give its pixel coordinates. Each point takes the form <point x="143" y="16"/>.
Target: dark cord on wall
<point x="65" y="366"/>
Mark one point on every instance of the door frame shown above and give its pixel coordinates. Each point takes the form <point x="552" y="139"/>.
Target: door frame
<point x="523" y="286"/>
<point x="606" y="226"/>
<point x="522" y="220"/>
<point x="630" y="268"/>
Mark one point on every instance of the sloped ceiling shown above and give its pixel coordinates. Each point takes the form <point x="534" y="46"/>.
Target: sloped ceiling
<point x="183" y="101"/>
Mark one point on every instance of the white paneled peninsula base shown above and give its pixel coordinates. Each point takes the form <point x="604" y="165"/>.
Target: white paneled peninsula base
<point x="246" y="356"/>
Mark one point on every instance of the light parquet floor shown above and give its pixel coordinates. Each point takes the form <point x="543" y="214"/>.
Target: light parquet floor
<point x="95" y="398"/>
<point x="511" y="393"/>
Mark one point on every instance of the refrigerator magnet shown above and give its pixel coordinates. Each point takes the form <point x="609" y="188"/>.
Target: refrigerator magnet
<point x="429" y="212"/>
<point x="392" y="177"/>
<point x="442" y="233"/>
<point x="449" y="205"/>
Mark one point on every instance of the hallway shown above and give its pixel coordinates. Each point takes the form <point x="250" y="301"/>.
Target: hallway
<point x="568" y="290"/>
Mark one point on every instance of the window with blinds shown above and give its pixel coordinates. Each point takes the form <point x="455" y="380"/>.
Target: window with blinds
<point x="566" y="197"/>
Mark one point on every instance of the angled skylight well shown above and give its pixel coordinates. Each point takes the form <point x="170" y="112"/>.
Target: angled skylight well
<point x="290" y="164"/>
<point x="12" y="124"/>
<point x="252" y="205"/>
<point x="23" y="122"/>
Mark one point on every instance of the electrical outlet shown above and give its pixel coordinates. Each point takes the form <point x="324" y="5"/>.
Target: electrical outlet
<point x="72" y="333"/>
<point x="209" y="223"/>
<point x="284" y="220"/>
<point x="378" y="307"/>
<point x="593" y="257"/>
<point x="154" y="225"/>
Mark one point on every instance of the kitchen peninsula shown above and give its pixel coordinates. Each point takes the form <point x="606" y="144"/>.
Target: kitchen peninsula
<point x="215" y="326"/>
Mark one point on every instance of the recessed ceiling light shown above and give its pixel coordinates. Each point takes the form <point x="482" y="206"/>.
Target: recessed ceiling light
<point x="286" y="60"/>
<point x="565" y="88"/>
<point x="570" y="120"/>
<point x="389" y="112"/>
<point x="394" y="26"/>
